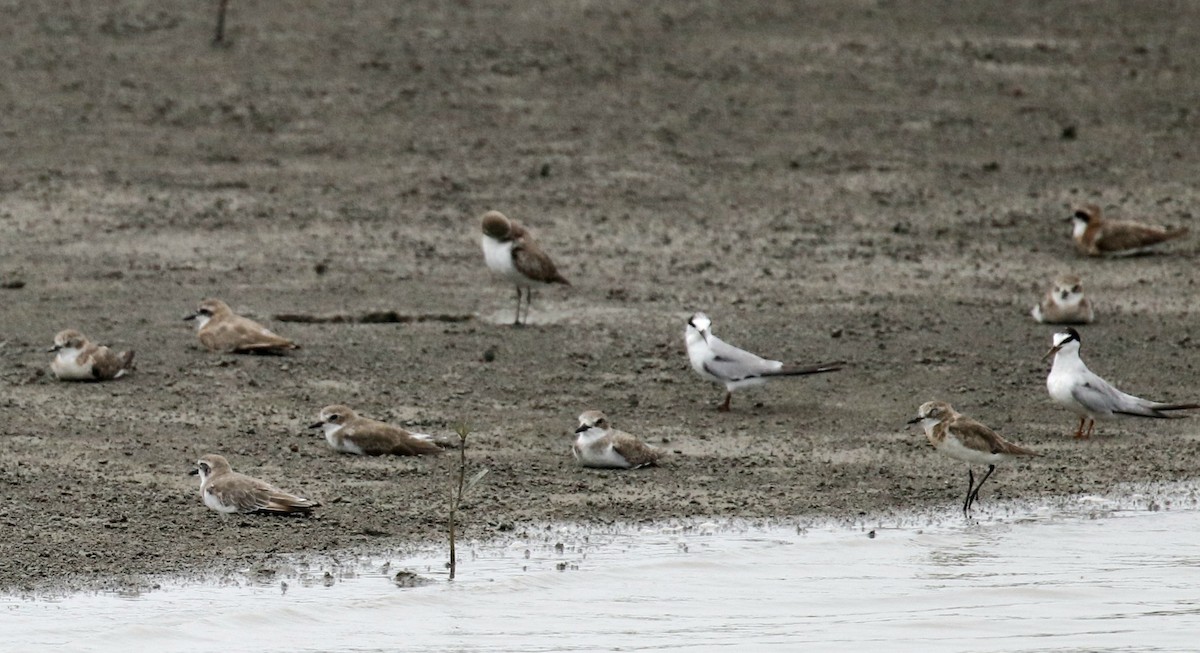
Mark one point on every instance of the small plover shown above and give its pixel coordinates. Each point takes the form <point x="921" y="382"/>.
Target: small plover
<point x="1065" y="303"/>
<point x="511" y="251"/>
<point x="1096" y="236"/>
<point x="722" y="363"/>
<point x="598" y="445"/>
<point x="965" y="439"/>
<point x="346" y="432"/>
<point x="1072" y="385"/>
<point x="80" y="360"/>
<point x="227" y="491"/>
<point x="220" y="329"/>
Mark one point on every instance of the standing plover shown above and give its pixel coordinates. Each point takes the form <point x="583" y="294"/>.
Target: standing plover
<point x="220" y="329"/>
<point x="227" y="491"/>
<point x="1096" y="236"/>
<point x="510" y="251"/>
<point x="1072" y="385"/>
<point x="346" y="432"/>
<point x="598" y="445"/>
<point x="80" y="360"/>
<point x="1065" y="303"/>
<point x="719" y="362"/>
<point x="965" y="439"/>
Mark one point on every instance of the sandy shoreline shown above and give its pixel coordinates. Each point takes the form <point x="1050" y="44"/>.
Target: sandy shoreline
<point x="860" y="182"/>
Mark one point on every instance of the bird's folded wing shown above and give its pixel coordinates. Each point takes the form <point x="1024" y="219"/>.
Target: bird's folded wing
<point x="531" y="261"/>
<point x="634" y="451"/>
<point x="732" y="363"/>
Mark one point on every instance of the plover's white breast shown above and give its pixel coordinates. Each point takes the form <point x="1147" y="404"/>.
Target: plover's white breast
<point x="201" y="320"/>
<point x="66" y="366"/>
<point x="498" y="256"/>
<point x="592" y="452"/>
<point x="211" y="501"/>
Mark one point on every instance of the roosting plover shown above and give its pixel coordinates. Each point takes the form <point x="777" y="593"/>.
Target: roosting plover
<point x="346" y="432"/>
<point x="1065" y="303"/>
<point x="220" y="329"/>
<point x="227" y="491"/>
<point x="1096" y="236"/>
<point x="80" y="360"/>
<point x="598" y="445"/>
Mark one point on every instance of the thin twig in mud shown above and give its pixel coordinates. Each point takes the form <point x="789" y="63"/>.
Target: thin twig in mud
<point x="219" y="35"/>
<point x="463" y="486"/>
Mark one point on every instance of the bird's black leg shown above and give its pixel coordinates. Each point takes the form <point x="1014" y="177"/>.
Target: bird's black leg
<point x="517" y="319"/>
<point x="975" y="492"/>
<point x="970" y="490"/>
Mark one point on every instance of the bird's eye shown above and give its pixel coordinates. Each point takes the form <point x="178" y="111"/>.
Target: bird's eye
<point x="1081" y="215"/>
<point x="334" y="418"/>
<point x="204" y="467"/>
<point x="1076" y="288"/>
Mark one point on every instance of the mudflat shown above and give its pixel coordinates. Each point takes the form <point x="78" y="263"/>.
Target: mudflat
<point x="876" y="182"/>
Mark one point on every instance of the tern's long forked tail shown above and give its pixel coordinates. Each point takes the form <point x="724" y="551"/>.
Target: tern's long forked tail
<point x="796" y="370"/>
<point x="1160" y="411"/>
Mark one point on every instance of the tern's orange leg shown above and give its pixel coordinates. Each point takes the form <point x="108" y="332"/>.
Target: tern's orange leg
<point x="1079" y="431"/>
<point x="1091" y="427"/>
<point x="724" y="407"/>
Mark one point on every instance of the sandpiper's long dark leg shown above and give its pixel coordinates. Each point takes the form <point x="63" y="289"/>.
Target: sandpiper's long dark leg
<point x="975" y="492"/>
<point x="517" y="319"/>
<point x="528" y="302"/>
<point x="970" y="490"/>
<point x="724" y="407"/>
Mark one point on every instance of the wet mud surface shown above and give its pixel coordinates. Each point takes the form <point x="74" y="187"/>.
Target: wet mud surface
<point x="878" y="182"/>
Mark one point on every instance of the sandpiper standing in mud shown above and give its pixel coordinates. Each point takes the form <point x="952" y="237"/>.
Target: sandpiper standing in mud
<point x="965" y="439"/>
<point x="722" y="363"/>
<point x="511" y="252"/>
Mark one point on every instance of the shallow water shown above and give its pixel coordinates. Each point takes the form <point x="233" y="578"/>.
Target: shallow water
<point x="1082" y="574"/>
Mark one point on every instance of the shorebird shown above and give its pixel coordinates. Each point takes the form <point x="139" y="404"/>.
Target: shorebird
<point x="965" y="439"/>
<point x="346" y="432"/>
<point x="597" y="445"/>
<point x="227" y="491"/>
<point x="722" y="363"/>
<point x="510" y="251"/>
<point x="80" y="360"/>
<point x="220" y="329"/>
<point x="1065" y="303"/>
<point x="1072" y="385"/>
<point x="1096" y="236"/>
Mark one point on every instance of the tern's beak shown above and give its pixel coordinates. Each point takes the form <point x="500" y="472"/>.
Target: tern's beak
<point x="195" y="470"/>
<point x="316" y="425"/>
<point x="55" y="348"/>
<point x="1053" y="351"/>
<point x="582" y="428"/>
<point x="193" y="316"/>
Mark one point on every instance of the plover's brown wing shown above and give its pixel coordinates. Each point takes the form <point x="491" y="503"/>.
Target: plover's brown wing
<point x="241" y="334"/>
<point x="107" y="364"/>
<point x="977" y="436"/>
<point x="253" y="495"/>
<point x="531" y="261"/>
<point x="634" y="451"/>
<point x="1124" y="236"/>
<point x="377" y="439"/>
